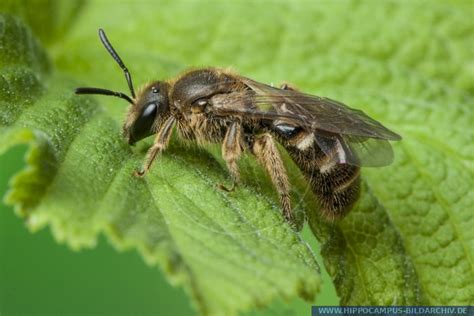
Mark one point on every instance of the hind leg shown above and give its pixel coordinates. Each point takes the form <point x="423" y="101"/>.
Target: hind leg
<point x="266" y="151"/>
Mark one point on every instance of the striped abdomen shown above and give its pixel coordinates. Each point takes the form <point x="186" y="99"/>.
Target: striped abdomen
<point x="336" y="185"/>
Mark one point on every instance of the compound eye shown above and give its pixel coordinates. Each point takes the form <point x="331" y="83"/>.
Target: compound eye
<point x="150" y="110"/>
<point x="141" y="128"/>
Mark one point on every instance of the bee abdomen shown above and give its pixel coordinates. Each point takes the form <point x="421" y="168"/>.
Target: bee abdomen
<point x="335" y="185"/>
<point x="337" y="189"/>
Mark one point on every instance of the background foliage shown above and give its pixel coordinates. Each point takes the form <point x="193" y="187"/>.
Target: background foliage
<point x="408" y="64"/>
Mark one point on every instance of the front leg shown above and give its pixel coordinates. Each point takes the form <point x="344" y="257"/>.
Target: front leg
<point x="266" y="151"/>
<point x="161" y="142"/>
<point x="231" y="151"/>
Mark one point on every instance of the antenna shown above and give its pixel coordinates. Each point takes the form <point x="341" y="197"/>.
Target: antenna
<point x="119" y="61"/>
<point x="103" y="92"/>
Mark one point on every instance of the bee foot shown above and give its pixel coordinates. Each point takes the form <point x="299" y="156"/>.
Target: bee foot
<point x="139" y="173"/>
<point x="289" y="218"/>
<point x="224" y="188"/>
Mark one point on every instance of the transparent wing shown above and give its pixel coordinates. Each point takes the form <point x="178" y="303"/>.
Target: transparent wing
<point x="317" y="113"/>
<point x="365" y="152"/>
<point x="345" y="135"/>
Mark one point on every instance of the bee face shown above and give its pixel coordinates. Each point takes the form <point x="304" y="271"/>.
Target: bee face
<point x="147" y="113"/>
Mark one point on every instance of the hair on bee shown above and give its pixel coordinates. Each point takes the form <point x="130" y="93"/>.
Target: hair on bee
<point x="328" y="140"/>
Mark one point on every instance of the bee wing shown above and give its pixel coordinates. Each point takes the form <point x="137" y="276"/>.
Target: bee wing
<point x="318" y="113"/>
<point x="345" y="135"/>
<point x="365" y="152"/>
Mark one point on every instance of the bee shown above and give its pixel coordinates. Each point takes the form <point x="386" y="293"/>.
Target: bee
<point x="328" y="140"/>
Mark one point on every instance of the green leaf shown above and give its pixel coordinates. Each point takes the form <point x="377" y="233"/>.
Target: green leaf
<point x="79" y="182"/>
<point x="49" y="20"/>
<point x="409" y="240"/>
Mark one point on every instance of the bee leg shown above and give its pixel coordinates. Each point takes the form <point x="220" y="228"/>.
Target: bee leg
<point x="266" y="152"/>
<point x="231" y="151"/>
<point x="161" y="142"/>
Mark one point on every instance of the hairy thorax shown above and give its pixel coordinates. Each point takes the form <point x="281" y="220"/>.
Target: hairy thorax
<point x="192" y="97"/>
<point x="202" y="128"/>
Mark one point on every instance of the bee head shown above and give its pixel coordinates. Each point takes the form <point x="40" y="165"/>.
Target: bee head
<point x="146" y="111"/>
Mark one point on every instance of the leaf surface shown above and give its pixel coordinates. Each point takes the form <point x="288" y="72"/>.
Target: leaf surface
<point x="79" y="182"/>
